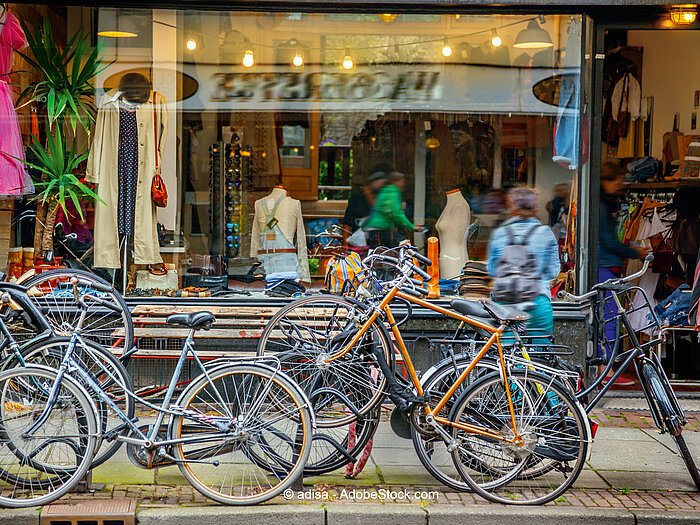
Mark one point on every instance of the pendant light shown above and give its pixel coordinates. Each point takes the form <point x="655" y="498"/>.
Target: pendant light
<point x="446" y="48"/>
<point x="298" y="60"/>
<point x="533" y="37"/>
<point x="248" y="58"/>
<point x="347" y="61"/>
<point x="495" y="39"/>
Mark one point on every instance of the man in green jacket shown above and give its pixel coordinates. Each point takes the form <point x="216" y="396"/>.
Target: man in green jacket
<point x="387" y="223"/>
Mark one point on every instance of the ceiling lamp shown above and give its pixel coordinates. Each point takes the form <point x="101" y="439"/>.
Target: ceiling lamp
<point x="113" y="24"/>
<point x="432" y="143"/>
<point x="248" y="59"/>
<point x="347" y="61"/>
<point x="495" y="39"/>
<point x="683" y="14"/>
<point x="533" y="37"/>
<point x="191" y="44"/>
<point x="386" y="17"/>
<point x="298" y="60"/>
<point x="446" y="49"/>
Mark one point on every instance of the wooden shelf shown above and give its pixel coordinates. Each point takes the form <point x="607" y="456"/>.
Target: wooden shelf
<point x="666" y="185"/>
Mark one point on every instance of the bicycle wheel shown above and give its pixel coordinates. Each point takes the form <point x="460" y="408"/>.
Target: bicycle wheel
<point x="430" y="447"/>
<point x="43" y="467"/>
<point x="53" y="292"/>
<point x="308" y="331"/>
<point x="105" y="369"/>
<point x="553" y="430"/>
<point x="249" y="433"/>
<point x="671" y="420"/>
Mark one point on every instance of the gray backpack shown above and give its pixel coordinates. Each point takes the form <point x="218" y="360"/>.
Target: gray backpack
<point x="517" y="271"/>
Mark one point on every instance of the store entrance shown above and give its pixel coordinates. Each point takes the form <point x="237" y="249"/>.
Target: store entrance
<point x="651" y="100"/>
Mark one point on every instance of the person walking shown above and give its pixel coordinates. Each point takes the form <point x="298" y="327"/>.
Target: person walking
<point x="387" y="222"/>
<point x="611" y="252"/>
<point x="523" y="257"/>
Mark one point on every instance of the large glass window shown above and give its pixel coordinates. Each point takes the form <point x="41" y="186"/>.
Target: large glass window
<point x="271" y="128"/>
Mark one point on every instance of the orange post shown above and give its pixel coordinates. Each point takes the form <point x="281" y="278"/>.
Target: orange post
<point x="434" y="269"/>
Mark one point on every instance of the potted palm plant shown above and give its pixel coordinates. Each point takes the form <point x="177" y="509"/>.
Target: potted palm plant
<point x="64" y="95"/>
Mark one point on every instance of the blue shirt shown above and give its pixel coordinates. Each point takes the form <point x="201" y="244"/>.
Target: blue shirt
<point x="542" y="244"/>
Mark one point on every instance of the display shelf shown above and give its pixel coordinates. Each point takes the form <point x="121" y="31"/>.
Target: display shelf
<point x="666" y="185"/>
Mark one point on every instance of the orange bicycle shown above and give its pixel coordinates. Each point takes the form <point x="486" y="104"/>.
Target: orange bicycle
<point x="515" y="436"/>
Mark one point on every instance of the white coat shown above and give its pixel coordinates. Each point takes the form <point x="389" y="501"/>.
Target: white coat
<point x="102" y="169"/>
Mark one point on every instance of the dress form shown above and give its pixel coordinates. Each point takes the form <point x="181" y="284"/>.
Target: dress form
<point x="452" y="227"/>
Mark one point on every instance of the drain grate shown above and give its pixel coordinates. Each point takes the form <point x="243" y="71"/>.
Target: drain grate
<point x="93" y="512"/>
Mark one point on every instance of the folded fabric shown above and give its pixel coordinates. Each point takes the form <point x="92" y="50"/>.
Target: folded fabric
<point x="275" y="276"/>
<point x="448" y="286"/>
<point x="673" y="311"/>
<point x="284" y="288"/>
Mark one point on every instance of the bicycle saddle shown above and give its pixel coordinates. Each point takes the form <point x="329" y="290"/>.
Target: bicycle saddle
<point x="489" y="309"/>
<point x="194" y="320"/>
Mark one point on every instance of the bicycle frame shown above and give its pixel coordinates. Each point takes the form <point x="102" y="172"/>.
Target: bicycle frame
<point x="69" y="364"/>
<point x="495" y="337"/>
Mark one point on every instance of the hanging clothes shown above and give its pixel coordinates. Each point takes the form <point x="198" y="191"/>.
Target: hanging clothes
<point x="566" y="137"/>
<point x="103" y="170"/>
<point x="128" y="168"/>
<point x="14" y="179"/>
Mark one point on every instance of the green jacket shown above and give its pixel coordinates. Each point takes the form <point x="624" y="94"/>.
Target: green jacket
<point x="387" y="213"/>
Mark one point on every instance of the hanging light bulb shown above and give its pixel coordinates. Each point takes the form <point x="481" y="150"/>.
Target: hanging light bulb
<point x="298" y="60"/>
<point x="388" y="17"/>
<point x="347" y="61"/>
<point x="683" y="14"/>
<point x="191" y="44"/>
<point x="446" y="49"/>
<point x="495" y="39"/>
<point x="248" y="59"/>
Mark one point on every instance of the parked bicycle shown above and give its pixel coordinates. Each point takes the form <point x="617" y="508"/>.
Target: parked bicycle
<point x="240" y="432"/>
<point x="515" y="435"/>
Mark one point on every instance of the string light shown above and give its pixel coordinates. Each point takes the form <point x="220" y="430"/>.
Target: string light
<point x="347" y="61"/>
<point x="248" y="59"/>
<point x="191" y="44"/>
<point x="298" y="60"/>
<point x="446" y="49"/>
<point x="495" y="39"/>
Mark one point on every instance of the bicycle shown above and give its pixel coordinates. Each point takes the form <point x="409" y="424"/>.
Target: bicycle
<point x="616" y="296"/>
<point x="497" y="430"/>
<point x="240" y="432"/>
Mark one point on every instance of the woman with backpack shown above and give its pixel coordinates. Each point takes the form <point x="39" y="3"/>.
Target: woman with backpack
<point x="523" y="257"/>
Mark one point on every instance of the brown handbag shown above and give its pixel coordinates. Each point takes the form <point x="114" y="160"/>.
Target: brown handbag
<point x="159" y="193"/>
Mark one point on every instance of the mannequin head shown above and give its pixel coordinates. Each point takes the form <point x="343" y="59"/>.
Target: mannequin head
<point x="136" y="87"/>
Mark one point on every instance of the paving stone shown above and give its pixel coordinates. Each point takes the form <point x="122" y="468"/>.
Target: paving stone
<point x="526" y="516"/>
<point x="376" y="514"/>
<point x="291" y="515"/>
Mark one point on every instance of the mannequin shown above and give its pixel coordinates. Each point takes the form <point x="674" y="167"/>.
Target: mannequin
<point x="452" y="227"/>
<point x="278" y="237"/>
<point x="14" y="179"/>
<point x="122" y="163"/>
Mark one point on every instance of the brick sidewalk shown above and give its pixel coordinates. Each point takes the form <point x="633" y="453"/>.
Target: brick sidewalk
<point x="155" y="496"/>
<point x="639" y="419"/>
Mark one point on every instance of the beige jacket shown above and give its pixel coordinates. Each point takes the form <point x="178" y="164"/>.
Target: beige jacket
<point x="102" y="169"/>
<point x="291" y="224"/>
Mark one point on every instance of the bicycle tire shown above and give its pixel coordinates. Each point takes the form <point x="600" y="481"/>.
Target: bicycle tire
<point x="291" y="440"/>
<point x="559" y="435"/>
<point x="671" y="419"/>
<point x="109" y="330"/>
<point x="50" y="353"/>
<point x="25" y="451"/>
<point x="353" y="374"/>
<point x="429" y="446"/>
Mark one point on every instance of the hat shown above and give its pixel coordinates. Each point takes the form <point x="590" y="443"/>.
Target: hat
<point x="377" y="175"/>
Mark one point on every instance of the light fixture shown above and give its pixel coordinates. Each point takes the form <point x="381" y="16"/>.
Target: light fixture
<point x="683" y="14"/>
<point x="432" y="143"/>
<point x="495" y="39"/>
<point x="457" y="17"/>
<point x="446" y="48"/>
<point x="347" y="61"/>
<point x="386" y="17"/>
<point x="533" y="37"/>
<point x="298" y="60"/>
<point x="248" y="59"/>
<point x="113" y="23"/>
<point x="191" y="44"/>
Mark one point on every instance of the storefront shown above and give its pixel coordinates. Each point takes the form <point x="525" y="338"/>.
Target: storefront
<point x="270" y="127"/>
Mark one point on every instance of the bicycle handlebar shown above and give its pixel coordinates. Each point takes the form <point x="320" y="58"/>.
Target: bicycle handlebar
<point x="610" y="282"/>
<point x="97" y="300"/>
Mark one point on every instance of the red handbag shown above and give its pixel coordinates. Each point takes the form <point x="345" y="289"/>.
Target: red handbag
<point x="159" y="193"/>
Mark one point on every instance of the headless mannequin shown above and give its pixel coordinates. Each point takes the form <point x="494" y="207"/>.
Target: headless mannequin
<point x="278" y="238"/>
<point x="452" y="227"/>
